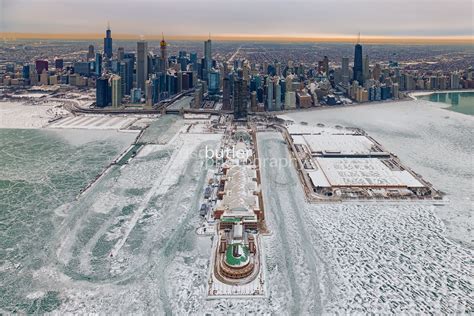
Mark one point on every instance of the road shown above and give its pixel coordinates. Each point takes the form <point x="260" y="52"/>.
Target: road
<point x="231" y="59"/>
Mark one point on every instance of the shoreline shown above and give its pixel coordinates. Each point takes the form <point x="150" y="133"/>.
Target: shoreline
<point x="340" y="106"/>
<point x="416" y="94"/>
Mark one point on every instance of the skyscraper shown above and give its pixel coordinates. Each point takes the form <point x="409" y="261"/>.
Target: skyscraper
<point x="90" y="53"/>
<point x="120" y="53"/>
<point x="82" y="68"/>
<point x="129" y="60"/>
<point x="149" y="93"/>
<point x="358" y="65"/>
<point x="156" y="86"/>
<point x="240" y="98"/>
<point x="366" y="68"/>
<point x="277" y="90"/>
<point x="41" y="65"/>
<point x="345" y="70"/>
<point x="198" y="95"/>
<point x="377" y="71"/>
<point x="226" y="94"/>
<point x="253" y="101"/>
<point x="108" y="42"/>
<point x="208" y="55"/>
<point x="269" y="94"/>
<point x="164" y="54"/>
<point x="116" y="89"/>
<point x="59" y="63"/>
<point x="102" y="92"/>
<point x="214" y="82"/>
<point x="26" y="71"/>
<point x="142" y="64"/>
<point x="193" y="60"/>
<point x="454" y="80"/>
<point x="326" y="65"/>
<point x="123" y="73"/>
<point x="98" y="64"/>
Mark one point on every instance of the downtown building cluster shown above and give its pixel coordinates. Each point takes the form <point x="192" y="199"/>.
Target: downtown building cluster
<point x="258" y="87"/>
<point x="377" y="83"/>
<point x="235" y="85"/>
<point x="141" y="76"/>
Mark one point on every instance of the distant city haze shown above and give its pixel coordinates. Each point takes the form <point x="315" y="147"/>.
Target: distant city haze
<point x="338" y="20"/>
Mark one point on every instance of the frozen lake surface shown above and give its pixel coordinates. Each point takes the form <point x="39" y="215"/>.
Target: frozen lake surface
<point x="357" y="257"/>
<point x="434" y="142"/>
<point x="41" y="172"/>
<point x="128" y="244"/>
<point x="25" y="115"/>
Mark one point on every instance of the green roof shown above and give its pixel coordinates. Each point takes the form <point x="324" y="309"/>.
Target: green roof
<point x="236" y="261"/>
<point x="231" y="219"/>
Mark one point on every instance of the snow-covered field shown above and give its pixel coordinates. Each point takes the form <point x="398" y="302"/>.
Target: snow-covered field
<point x="24" y="115"/>
<point x="94" y="122"/>
<point x="434" y="142"/>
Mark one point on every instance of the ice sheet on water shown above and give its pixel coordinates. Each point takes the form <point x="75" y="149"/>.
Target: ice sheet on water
<point x="162" y="130"/>
<point x="385" y="258"/>
<point x="434" y="142"/>
<point x="390" y="259"/>
<point x="26" y="115"/>
<point x="319" y="257"/>
<point x="39" y="172"/>
<point x="152" y="225"/>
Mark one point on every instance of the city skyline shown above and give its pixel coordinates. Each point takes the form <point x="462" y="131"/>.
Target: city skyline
<point x="317" y="20"/>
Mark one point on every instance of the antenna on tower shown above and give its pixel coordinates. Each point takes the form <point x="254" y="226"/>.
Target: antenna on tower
<point x="108" y="25"/>
<point x="162" y="36"/>
<point x="209" y="35"/>
<point x="358" y="38"/>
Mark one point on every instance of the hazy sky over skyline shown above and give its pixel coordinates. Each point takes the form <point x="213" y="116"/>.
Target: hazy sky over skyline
<point x="247" y="17"/>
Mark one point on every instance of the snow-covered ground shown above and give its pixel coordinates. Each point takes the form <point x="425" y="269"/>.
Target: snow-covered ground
<point x="183" y="103"/>
<point x="434" y="142"/>
<point x="94" y="122"/>
<point x="25" y="115"/>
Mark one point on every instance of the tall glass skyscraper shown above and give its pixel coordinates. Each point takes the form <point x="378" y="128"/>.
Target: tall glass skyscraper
<point x="108" y="43"/>
<point x="208" y="55"/>
<point x="358" y="65"/>
<point x="98" y="64"/>
<point x="142" y="64"/>
<point x="103" y="93"/>
<point x="214" y="82"/>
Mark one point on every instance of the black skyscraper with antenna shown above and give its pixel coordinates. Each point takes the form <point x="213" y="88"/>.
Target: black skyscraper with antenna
<point x="108" y="42"/>
<point x="358" y="67"/>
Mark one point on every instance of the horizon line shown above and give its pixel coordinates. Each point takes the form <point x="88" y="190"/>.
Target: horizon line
<point x="368" y="39"/>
